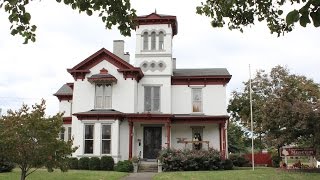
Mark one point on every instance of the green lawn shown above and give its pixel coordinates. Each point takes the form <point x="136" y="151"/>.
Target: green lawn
<point x="71" y="174"/>
<point x="243" y="173"/>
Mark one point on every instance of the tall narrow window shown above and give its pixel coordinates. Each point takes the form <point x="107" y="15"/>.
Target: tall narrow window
<point x="161" y="41"/>
<point x="88" y="139"/>
<point x="152" y="98"/>
<point x="106" y="139"/>
<point x="62" y="134"/>
<point x="153" y="41"/>
<point x="145" y="41"/>
<point x="103" y="96"/>
<point x="69" y="133"/>
<point x="196" y="100"/>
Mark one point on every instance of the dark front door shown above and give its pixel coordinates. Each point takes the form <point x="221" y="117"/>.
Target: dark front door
<point x="151" y="142"/>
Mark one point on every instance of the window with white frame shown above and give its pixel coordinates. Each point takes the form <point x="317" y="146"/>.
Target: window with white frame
<point x="106" y="139"/>
<point x="69" y="133"/>
<point x="161" y="40"/>
<point x="153" y="41"/>
<point x="88" y="138"/>
<point x="61" y="134"/>
<point x="145" y="41"/>
<point x="103" y="96"/>
<point x="196" y="100"/>
<point x="152" y="98"/>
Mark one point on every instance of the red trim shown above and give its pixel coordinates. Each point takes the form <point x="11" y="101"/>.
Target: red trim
<point x="130" y="139"/>
<point x="64" y="97"/>
<point x="67" y="120"/>
<point x="70" y="85"/>
<point x="154" y="18"/>
<point x="220" y="139"/>
<point x="103" y="79"/>
<point x="80" y="70"/>
<point x="132" y="73"/>
<point x="168" y="128"/>
<point x="200" y="80"/>
<point x="82" y="116"/>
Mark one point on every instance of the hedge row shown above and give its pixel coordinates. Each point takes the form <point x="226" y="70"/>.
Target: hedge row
<point x="5" y="166"/>
<point x="193" y="160"/>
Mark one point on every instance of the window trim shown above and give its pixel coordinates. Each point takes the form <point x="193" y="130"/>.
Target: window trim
<point x="192" y="91"/>
<point x="144" y="100"/>
<point x="106" y="124"/>
<point x="84" y="138"/>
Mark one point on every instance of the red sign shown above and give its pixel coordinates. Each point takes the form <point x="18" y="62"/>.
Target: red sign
<point x="298" y="152"/>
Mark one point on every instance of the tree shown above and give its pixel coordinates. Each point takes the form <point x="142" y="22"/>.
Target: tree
<point x="29" y="139"/>
<point x="286" y="108"/>
<point x="112" y="12"/>
<point x="240" y="13"/>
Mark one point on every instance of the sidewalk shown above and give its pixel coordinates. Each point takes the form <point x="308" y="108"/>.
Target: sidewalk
<point x="140" y="176"/>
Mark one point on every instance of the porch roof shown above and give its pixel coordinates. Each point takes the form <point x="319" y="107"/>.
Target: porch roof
<point x="97" y="114"/>
<point x="199" y="118"/>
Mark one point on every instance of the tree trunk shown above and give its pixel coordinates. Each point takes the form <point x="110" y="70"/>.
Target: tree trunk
<point x="23" y="174"/>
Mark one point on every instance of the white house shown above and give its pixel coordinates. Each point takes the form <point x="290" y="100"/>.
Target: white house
<point x="123" y="110"/>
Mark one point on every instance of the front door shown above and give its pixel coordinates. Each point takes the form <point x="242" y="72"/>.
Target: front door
<point x="151" y="142"/>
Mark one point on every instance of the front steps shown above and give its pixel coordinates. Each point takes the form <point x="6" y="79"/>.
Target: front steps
<point x="145" y="166"/>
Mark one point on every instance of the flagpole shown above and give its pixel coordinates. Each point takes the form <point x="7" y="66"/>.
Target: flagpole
<point x="252" y="148"/>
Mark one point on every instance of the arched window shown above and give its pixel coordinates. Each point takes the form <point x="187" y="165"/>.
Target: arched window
<point x="153" y="41"/>
<point x="145" y="41"/>
<point x="161" y="44"/>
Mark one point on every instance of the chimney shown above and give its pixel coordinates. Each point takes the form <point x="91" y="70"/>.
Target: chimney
<point x="174" y="62"/>
<point x="118" y="49"/>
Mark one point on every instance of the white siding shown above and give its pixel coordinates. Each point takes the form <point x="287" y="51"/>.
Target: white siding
<point x="65" y="107"/>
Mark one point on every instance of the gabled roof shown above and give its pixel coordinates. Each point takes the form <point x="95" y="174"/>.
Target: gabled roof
<point x="155" y="18"/>
<point x="79" y="71"/>
<point x="65" y="92"/>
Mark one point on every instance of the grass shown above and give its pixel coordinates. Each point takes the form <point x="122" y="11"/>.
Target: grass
<point x="240" y="173"/>
<point x="41" y="174"/>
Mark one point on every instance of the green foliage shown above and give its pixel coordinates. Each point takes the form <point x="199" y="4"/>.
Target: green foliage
<point x="5" y="165"/>
<point x="94" y="163"/>
<point x="276" y="161"/>
<point x="238" y="160"/>
<point x="73" y="163"/>
<point x="124" y="166"/>
<point x="238" y="14"/>
<point x="107" y="163"/>
<point x="83" y="163"/>
<point x="111" y="13"/>
<point x="190" y="160"/>
<point x="236" y="138"/>
<point x="227" y="164"/>
<point x="29" y="139"/>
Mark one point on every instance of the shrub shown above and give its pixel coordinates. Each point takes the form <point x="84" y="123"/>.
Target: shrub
<point x="239" y="161"/>
<point x="5" y="166"/>
<point x="107" y="163"/>
<point x="276" y="161"/>
<point x="73" y="163"/>
<point x="94" y="163"/>
<point x="83" y="163"/>
<point x="124" y="166"/>
<point x="227" y="164"/>
<point x="190" y="160"/>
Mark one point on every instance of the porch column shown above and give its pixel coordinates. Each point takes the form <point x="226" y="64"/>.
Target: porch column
<point x="130" y="138"/>
<point x="168" y="128"/>
<point x="222" y="140"/>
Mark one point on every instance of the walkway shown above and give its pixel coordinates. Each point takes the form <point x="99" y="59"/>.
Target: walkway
<point x="140" y="176"/>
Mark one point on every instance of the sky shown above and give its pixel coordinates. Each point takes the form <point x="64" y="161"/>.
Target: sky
<point x="37" y="70"/>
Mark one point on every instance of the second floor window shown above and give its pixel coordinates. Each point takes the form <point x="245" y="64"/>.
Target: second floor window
<point x="145" y="41"/>
<point x="161" y="44"/>
<point x="103" y="96"/>
<point x="196" y="100"/>
<point x="153" y="41"/>
<point x="69" y="133"/>
<point x="152" y="98"/>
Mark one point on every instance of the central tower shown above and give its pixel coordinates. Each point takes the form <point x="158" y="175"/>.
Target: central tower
<point x="154" y="33"/>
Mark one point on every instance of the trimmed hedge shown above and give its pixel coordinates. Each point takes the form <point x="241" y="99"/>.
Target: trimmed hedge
<point x="5" y="166"/>
<point x="239" y="161"/>
<point x="227" y="164"/>
<point x="94" y="163"/>
<point x="107" y="163"/>
<point x="73" y="163"/>
<point x="124" y="166"/>
<point x="190" y="160"/>
<point x="83" y="163"/>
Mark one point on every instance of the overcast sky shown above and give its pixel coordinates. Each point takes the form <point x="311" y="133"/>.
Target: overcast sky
<point x="65" y="38"/>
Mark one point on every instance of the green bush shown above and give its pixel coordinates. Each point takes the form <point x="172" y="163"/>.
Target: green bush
<point x="94" y="163"/>
<point x="227" y="164"/>
<point x="276" y="161"/>
<point x="5" y="166"/>
<point x="190" y="160"/>
<point x="107" y="163"/>
<point x="124" y="166"/>
<point x="238" y="160"/>
<point x="73" y="163"/>
<point x="83" y="163"/>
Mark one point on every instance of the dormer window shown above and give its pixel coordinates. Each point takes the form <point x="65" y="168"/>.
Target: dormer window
<point x="145" y="41"/>
<point x="153" y="41"/>
<point x="161" y="40"/>
<point x="103" y="96"/>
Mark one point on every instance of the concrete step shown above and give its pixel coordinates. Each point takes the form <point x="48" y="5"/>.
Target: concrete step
<point x="148" y="168"/>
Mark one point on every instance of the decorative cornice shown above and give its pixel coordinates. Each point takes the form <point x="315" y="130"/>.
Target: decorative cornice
<point x="200" y="80"/>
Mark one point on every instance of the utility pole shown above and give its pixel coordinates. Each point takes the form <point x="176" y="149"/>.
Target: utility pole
<point x="252" y="149"/>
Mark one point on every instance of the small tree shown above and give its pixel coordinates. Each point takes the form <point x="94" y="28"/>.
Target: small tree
<point x="29" y="139"/>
